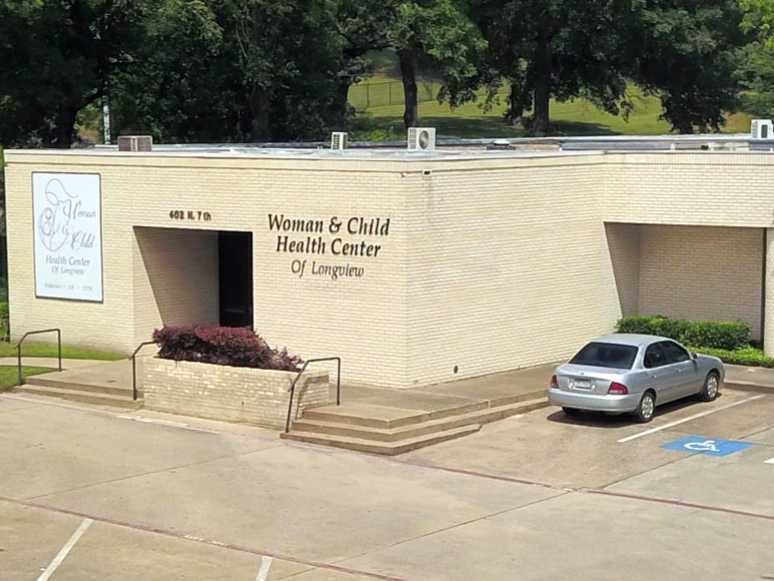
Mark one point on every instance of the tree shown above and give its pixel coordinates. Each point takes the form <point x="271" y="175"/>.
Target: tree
<point x="757" y="68"/>
<point x="558" y="49"/>
<point x="174" y="87"/>
<point x="360" y="25"/>
<point x="684" y="51"/>
<point x="57" y="58"/>
<point x="435" y="34"/>
<point x="233" y="70"/>
<point x="439" y="33"/>
<point x="759" y="18"/>
<point x="687" y="53"/>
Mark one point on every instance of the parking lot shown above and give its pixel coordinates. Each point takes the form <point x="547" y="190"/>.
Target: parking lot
<point x="100" y="494"/>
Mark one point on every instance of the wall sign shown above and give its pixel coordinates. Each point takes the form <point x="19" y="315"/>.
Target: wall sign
<point x="324" y="247"/>
<point x="190" y="215"/>
<point x="67" y="232"/>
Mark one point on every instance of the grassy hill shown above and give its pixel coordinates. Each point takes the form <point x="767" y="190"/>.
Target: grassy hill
<point x="379" y="102"/>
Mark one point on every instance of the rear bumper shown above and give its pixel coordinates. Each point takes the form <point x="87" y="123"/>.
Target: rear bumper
<point x="594" y="402"/>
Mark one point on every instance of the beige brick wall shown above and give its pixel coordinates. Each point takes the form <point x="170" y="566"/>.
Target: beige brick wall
<point x="234" y="394"/>
<point x="508" y="267"/>
<point x="175" y="278"/>
<point x="623" y="242"/>
<point x="709" y="188"/>
<point x="360" y="319"/>
<point x="109" y="324"/>
<point x="702" y="273"/>
<point x="490" y="264"/>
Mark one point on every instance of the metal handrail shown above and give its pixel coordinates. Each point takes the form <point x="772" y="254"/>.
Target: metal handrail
<point x="134" y="366"/>
<point x="292" y="388"/>
<point x="27" y="334"/>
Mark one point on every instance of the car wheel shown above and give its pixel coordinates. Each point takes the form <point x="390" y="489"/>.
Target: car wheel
<point x="647" y="407"/>
<point x="571" y="411"/>
<point x="711" y="387"/>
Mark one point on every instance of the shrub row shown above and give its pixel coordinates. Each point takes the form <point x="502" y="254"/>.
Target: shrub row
<point x="749" y="356"/>
<point x="238" y="347"/>
<point x="715" y="334"/>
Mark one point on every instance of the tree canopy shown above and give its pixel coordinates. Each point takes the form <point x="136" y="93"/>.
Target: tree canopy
<point x="757" y="70"/>
<point x="248" y="70"/>
<point x="57" y="56"/>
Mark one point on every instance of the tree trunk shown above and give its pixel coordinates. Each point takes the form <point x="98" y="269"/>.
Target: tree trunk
<point x="542" y="94"/>
<point x="259" y="127"/>
<point x="342" y="101"/>
<point x="65" y="128"/>
<point x="408" y="71"/>
<point x="541" y="118"/>
<point x="515" y="104"/>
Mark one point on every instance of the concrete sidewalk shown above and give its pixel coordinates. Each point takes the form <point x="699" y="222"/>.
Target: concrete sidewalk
<point x="51" y="362"/>
<point x="757" y="379"/>
<point x="496" y="389"/>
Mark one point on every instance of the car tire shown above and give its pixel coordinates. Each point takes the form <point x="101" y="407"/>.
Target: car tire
<point x="646" y="408"/>
<point x="571" y="411"/>
<point x="711" y="389"/>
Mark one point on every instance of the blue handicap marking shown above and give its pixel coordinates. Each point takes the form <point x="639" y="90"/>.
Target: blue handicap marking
<point x="705" y="445"/>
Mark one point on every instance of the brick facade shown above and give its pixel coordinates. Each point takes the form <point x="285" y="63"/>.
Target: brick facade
<point x="233" y="394"/>
<point x="492" y="261"/>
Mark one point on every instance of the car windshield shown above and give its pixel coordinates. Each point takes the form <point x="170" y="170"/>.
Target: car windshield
<point x="606" y="355"/>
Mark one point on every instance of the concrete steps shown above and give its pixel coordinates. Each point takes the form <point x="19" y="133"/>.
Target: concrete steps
<point x="359" y="430"/>
<point x="93" y="394"/>
<point x="377" y="447"/>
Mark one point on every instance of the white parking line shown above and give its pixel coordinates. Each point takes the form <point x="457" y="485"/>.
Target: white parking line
<point x="771" y="461"/>
<point x="263" y="572"/>
<point x="688" y="419"/>
<point x="65" y="550"/>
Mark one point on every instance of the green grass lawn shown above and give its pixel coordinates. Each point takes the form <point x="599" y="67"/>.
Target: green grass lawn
<point x="9" y="374"/>
<point x="38" y="349"/>
<point x="382" y="121"/>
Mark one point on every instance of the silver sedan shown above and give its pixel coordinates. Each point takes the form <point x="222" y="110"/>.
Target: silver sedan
<point x="633" y="373"/>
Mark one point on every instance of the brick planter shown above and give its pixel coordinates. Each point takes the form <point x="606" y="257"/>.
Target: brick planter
<point x="233" y="394"/>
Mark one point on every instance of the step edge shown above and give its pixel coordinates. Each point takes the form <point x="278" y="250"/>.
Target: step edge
<point x="294" y="434"/>
<point x="46" y="390"/>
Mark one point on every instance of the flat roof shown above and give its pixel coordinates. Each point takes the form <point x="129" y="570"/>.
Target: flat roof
<point x="447" y="149"/>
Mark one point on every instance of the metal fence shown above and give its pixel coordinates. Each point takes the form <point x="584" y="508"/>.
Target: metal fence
<point x="386" y="93"/>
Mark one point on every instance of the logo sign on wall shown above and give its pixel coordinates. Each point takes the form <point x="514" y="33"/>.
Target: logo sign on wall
<point x="67" y="223"/>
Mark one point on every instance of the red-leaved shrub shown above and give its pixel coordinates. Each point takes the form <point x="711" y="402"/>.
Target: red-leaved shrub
<point x="239" y="347"/>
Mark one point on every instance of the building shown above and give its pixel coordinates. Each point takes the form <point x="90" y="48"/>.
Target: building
<point x="414" y="267"/>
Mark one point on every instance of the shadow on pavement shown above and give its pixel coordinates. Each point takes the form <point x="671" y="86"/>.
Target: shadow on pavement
<point x="605" y="420"/>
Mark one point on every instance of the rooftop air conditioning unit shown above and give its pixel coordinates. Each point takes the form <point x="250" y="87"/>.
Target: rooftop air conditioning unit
<point x="339" y="140"/>
<point x="762" y="129"/>
<point x="135" y="143"/>
<point x="421" y="138"/>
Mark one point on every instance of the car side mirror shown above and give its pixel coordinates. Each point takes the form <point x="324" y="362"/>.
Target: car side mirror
<point x="694" y="355"/>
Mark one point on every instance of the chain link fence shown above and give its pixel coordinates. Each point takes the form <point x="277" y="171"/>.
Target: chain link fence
<point x="387" y="93"/>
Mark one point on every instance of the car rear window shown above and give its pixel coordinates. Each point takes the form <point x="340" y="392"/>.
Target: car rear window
<point x="606" y="355"/>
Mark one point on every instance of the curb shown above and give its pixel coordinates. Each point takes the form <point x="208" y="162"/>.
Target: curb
<point x="750" y="386"/>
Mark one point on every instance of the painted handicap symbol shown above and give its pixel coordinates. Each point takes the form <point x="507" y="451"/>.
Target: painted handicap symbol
<point x="706" y="446"/>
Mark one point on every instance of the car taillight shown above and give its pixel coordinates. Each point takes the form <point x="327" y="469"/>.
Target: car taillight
<point x="618" y="389"/>
<point x="554" y="382"/>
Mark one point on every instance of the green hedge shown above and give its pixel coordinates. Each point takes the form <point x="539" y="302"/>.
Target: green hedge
<point x="749" y="356"/>
<point x="729" y="335"/>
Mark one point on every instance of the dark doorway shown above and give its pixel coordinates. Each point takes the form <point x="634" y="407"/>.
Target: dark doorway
<point x="235" y="259"/>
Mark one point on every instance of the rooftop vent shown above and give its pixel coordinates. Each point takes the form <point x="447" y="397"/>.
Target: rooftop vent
<point x="135" y="143"/>
<point x="762" y="129"/>
<point x="421" y="138"/>
<point x="499" y="144"/>
<point x="339" y="140"/>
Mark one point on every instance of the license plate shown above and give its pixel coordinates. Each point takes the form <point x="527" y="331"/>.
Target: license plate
<point x="581" y="384"/>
